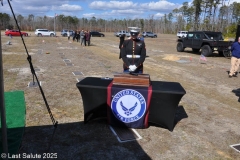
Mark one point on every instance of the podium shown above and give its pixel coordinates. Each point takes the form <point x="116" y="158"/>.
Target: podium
<point x="132" y="79"/>
<point x="128" y="99"/>
<point x="164" y="101"/>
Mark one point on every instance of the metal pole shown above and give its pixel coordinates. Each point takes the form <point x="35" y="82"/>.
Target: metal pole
<point x="2" y="106"/>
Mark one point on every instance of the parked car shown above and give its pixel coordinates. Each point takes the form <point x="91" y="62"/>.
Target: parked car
<point x="64" y="32"/>
<point x="96" y="34"/>
<point x="120" y="33"/>
<point x="15" y="33"/>
<point x="149" y="34"/>
<point x="182" y="34"/>
<point x="44" y="32"/>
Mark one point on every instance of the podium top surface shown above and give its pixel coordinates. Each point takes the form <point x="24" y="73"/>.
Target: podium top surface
<point x="132" y="79"/>
<point x="157" y="86"/>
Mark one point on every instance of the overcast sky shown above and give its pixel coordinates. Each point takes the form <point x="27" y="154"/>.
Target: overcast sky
<point x="100" y="9"/>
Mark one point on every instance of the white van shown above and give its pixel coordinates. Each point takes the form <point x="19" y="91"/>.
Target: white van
<point x="182" y="34"/>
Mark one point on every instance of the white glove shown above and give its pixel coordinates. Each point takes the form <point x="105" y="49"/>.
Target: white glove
<point x="132" y="68"/>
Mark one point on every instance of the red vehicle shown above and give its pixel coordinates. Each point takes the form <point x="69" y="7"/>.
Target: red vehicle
<point x="15" y="33"/>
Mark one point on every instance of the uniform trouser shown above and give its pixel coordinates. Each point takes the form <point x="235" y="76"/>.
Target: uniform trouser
<point x="235" y="62"/>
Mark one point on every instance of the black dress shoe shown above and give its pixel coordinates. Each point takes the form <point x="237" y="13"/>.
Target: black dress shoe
<point x="230" y="76"/>
<point x="234" y="75"/>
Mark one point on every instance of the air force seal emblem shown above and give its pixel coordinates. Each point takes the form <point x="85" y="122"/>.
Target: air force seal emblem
<point x="128" y="105"/>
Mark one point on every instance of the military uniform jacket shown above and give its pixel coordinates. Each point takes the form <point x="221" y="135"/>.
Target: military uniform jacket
<point x="133" y="52"/>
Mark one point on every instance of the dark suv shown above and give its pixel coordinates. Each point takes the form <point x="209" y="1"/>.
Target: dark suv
<point x="96" y="34"/>
<point x="206" y="41"/>
<point x="64" y="32"/>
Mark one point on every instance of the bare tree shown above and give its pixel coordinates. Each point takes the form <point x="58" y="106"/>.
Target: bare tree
<point x="198" y="10"/>
<point x="31" y="22"/>
<point x="20" y="18"/>
<point x="151" y="22"/>
<point x="5" y="21"/>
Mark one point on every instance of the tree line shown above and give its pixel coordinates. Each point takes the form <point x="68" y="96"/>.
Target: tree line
<point x="208" y="15"/>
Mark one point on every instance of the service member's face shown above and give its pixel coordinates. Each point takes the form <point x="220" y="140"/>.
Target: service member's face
<point x="134" y="36"/>
<point x="238" y="39"/>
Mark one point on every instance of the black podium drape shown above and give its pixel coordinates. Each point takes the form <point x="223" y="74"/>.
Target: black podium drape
<point x="164" y="100"/>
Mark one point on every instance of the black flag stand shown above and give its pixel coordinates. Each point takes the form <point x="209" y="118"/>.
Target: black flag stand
<point x="55" y="123"/>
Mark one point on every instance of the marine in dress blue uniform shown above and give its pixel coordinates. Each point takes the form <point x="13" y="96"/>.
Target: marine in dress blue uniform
<point x="133" y="52"/>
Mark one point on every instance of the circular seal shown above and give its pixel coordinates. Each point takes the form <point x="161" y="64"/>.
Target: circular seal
<point x="128" y="105"/>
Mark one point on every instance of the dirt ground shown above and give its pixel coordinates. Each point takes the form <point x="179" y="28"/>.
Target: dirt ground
<point x="213" y="109"/>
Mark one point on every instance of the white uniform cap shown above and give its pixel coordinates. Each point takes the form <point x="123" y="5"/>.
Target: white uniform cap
<point x="134" y="29"/>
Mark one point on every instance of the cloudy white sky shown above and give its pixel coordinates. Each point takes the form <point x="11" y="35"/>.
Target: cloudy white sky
<point x="104" y="9"/>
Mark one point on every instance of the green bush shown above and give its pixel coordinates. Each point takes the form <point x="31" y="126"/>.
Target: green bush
<point x="230" y="31"/>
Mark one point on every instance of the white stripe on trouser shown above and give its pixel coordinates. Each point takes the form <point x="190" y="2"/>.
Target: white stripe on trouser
<point x="133" y="56"/>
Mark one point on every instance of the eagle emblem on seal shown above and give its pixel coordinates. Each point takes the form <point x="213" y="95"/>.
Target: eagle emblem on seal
<point x="126" y="110"/>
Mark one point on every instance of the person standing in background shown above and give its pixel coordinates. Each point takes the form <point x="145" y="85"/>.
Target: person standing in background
<point x="140" y="37"/>
<point x="88" y="37"/>
<point x="82" y="36"/>
<point x="121" y="38"/>
<point x="235" y="59"/>
<point x="74" y="35"/>
<point x="85" y="35"/>
<point x="78" y="36"/>
<point x="68" y="35"/>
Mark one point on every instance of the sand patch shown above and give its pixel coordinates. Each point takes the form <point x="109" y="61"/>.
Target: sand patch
<point x="24" y="71"/>
<point x="171" y="58"/>
<point x="20" y="70"/>
<point x="155" y="50"/>
<point x="18" y="53"/>
<point x="67" y="48"/>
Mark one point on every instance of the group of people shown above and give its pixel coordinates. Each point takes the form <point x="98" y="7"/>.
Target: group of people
<point x="82" y="37"/>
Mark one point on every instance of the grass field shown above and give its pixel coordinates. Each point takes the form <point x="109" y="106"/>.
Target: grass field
<point x="212" y="108"/>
